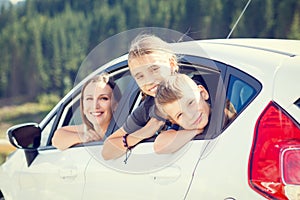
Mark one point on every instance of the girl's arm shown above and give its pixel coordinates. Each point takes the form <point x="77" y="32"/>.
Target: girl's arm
<point x="114" y="147"/>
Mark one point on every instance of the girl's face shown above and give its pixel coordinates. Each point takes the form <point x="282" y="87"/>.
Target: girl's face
<point x="191" y="111"/>
<point x="97" y="102"/>
<point x="150" y="69"/>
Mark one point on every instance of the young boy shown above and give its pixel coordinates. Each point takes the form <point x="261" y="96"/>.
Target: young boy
<point x="185" y="103"/>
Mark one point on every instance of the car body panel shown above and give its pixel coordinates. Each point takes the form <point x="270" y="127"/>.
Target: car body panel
<point x="204" y="168"/>
<point x="287" y="87"/>
<point x="141" y="174"/>
<point x="53" y="174"/>
<point x="216" y="176"/>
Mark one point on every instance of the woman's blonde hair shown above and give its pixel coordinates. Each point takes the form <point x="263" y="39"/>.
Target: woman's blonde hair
<point x="145" y="44"/>
<point x="99" y="79"/>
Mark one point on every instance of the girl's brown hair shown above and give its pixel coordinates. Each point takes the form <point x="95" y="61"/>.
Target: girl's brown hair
<point x="147" y="44"/>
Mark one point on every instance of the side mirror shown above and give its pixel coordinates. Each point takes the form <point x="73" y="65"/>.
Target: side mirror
<point x="27" y="137"/>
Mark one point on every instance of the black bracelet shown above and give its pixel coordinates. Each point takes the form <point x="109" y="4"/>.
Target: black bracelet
<point x="125" y="140"/>
<point x="126" y="146"/>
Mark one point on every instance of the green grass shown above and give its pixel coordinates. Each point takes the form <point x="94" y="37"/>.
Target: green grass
<point x="17" y="114"/>
<point x="28" y="112"/>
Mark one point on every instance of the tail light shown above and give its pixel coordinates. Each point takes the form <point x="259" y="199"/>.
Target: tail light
<point x="274" y="162"/>
<point x="290" y="161"/>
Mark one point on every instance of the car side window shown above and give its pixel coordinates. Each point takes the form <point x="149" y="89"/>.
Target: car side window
<point x="241" y="90"/>
<point x="239" y="93"/>
<point x="71" y="112"/>
<point x="46" y="132"/>
<point x="210" y="74"/>
<point x="73" y="117"/>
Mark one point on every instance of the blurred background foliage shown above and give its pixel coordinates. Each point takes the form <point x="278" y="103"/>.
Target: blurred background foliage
<point x="43" y="42"/>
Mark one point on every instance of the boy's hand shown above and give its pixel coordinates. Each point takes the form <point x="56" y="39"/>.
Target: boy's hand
<point x="199" y="131"/>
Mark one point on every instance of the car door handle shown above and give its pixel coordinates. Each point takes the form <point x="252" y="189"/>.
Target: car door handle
<point x="68" y="173"/>
<point x="167" y="175"/>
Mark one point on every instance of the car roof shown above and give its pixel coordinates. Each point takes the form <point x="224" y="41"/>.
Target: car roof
<point x="252" y="55"/>
<point x="281" y="46"/>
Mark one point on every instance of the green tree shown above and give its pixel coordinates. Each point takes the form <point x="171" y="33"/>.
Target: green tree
<point x="295" y="28"/>
<point x="44" y="42"/>
<point x="284" y="16"/>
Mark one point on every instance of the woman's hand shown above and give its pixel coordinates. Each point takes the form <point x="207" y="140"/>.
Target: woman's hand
<point x="89" y="136"/>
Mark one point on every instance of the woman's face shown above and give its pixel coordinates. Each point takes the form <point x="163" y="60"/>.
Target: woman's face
<point x="97" y="102"/>
<point x="191" y="111"/>
<point x="150" y="69"/>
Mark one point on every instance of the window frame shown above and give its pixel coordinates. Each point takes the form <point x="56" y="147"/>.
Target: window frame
<point x="63" y="111"/>
<point x="215" y="128"/>
<point x="208" y="65"/>
<point x="246" y="78"/>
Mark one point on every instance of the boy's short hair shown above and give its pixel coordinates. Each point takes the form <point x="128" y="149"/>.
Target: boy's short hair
<point x="171" y="89"/>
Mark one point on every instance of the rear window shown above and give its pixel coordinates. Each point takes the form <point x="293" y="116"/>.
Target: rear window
<point x="239" y="93"/>
<point x="241" y="90"/>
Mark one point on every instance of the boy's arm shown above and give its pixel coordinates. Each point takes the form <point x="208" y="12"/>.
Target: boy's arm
<point x="114" y="147"/>
<point x="171" y="140"/>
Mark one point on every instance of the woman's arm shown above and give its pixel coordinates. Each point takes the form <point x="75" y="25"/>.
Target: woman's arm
<point x="171" y="140"/>
<point x="68" y="136"/>
<point x="114" y="147"/>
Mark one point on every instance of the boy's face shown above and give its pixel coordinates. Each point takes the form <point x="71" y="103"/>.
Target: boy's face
<point x="191" y="111"/>
<point x="150" y="69"/>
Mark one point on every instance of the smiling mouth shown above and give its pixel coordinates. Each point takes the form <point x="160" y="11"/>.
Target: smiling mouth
<point x="153" y="89"/>
<point x="198" y="120"/>
<point x="97" y="114"/>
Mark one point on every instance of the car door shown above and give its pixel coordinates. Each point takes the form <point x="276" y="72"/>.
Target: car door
<point x="146" y="175"/>
<point x="56" y="174"/>
<point x="53" y="173"/>
<point x="223" y="173"/>
<point x="143" y="174"/>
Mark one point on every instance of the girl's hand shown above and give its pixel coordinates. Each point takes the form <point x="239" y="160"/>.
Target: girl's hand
<point x="152" y="126"/>
<point x="155" y="122"/>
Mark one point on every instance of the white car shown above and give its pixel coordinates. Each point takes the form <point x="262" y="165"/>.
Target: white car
<point x="254" y="156"/>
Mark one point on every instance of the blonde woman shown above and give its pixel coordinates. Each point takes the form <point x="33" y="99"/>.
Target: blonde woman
<point x="99" y="98"/>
